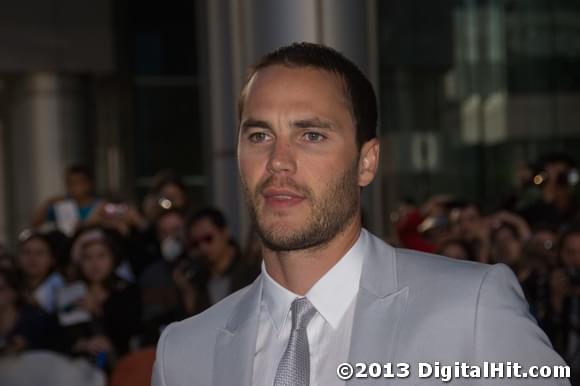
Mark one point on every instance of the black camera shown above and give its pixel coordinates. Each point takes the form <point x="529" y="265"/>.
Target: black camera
<point x="193" y="270"/>
<point x="569" y="178"/>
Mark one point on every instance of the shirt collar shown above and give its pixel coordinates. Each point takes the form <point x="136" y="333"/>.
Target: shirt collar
<point x="331" y="295"/>
<point x="277" y="299"/>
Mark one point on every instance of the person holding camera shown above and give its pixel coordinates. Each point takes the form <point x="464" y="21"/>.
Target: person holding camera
<point x="68" y="212"/>
<point x="557" y="179"/>
<point x="171" y="286"/>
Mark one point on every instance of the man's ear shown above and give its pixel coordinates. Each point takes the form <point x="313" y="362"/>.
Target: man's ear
<point x="368" y="162"/>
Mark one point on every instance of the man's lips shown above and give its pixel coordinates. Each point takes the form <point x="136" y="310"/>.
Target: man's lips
<point x="281" y="198"/>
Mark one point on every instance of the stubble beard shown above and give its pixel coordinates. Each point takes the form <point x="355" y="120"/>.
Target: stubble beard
<point x="329" y="214"/>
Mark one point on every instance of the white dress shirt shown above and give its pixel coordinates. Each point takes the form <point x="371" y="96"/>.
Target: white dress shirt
<point x="328" y="332"/>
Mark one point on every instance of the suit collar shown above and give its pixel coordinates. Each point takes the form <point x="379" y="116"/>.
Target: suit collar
<point x="236" y="342"/>
<point x="245" y="309"/>
<point x="378" y="278"/>
<point x="379" y="272"/>
<point x="380" y="305"/>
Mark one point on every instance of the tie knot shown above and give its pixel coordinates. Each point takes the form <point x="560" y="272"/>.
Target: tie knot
<point x="302" y="313"/>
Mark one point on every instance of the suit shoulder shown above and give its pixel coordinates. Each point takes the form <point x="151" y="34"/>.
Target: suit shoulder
<point x="430" y="277"/>
<point x="444" y="279"/>
<point x="412" y="264"/>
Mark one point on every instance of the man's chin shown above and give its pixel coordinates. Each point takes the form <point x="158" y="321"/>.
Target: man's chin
<point x="277" y="230"/>
<point x="282" y="225"/>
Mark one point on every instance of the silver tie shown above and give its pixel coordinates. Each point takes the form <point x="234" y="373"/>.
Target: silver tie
<point x="294" y="367"/>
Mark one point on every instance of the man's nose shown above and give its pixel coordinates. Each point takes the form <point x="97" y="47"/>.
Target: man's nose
<point x="282" y="158"/>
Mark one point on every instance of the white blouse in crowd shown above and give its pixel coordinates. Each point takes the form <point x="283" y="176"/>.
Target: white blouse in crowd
<point x="45" y="294"/>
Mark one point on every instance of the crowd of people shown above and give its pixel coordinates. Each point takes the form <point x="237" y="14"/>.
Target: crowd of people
<point x="100" y="278"/>
<point x="535" y="231"/>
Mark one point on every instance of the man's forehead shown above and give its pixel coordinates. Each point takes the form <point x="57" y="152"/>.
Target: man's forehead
<point x="270" y="76"/>
<point x="276" y="71"/>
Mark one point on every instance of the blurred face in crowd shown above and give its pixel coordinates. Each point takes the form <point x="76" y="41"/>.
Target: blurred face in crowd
<point x="171" y="235"/>
<point x="468" y="221"/>
<point x="79" y="185"/>
<point x="209" y="240"/>
<point x="97" y="262"/>
<point x="298" y="157"/>
<point x="570" y="251"/>
<point x="7" y="293"/>
<point x="507" y="246"/>
<point x="35" y="259"/>
<point x="170" y="224"/>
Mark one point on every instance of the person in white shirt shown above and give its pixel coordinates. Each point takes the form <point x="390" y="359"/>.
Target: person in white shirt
<point x="330" y="292"/>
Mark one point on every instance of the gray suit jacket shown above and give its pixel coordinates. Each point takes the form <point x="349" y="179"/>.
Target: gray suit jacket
<point x="411" y="307"/>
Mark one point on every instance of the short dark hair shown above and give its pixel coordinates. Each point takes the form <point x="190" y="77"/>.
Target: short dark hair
<point x="82" y="170"/>
<point x="43" y="237"/>
<point x="214" y="215"/>
<point x="167" y="177"/>
<point x="358" y="88"/>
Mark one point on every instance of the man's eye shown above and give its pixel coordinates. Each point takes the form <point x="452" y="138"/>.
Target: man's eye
<point x="314" y="137"/>
<point x="258" y="137"/>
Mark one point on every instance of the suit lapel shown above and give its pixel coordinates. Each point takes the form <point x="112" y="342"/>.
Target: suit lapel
<point x="379" y="307"/>
<point x="236" y="343"/>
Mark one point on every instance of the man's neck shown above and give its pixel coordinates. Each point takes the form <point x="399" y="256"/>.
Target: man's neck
<point x="298" y="271"/>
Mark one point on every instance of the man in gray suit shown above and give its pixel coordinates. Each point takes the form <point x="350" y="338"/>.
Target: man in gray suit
<point x="331" y="293"/>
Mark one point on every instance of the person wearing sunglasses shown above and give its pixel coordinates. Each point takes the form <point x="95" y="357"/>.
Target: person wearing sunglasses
<point x="211" y="241"/>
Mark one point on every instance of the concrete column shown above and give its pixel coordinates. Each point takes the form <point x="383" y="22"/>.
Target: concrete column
<point x="47" y="130"/>
<point x="222" y="74"/>
<point x="241" y="32"/>
<point x="111" y="171"/>
<point x="4" y="186"/>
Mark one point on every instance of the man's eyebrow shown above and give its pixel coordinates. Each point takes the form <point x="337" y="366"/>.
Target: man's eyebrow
<point x="251" y="122"/>
<point x="311" y="123"/>
<point x="297" y="124"/>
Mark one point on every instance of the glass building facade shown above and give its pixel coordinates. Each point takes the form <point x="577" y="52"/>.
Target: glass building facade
<point x="471" y="90"/>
